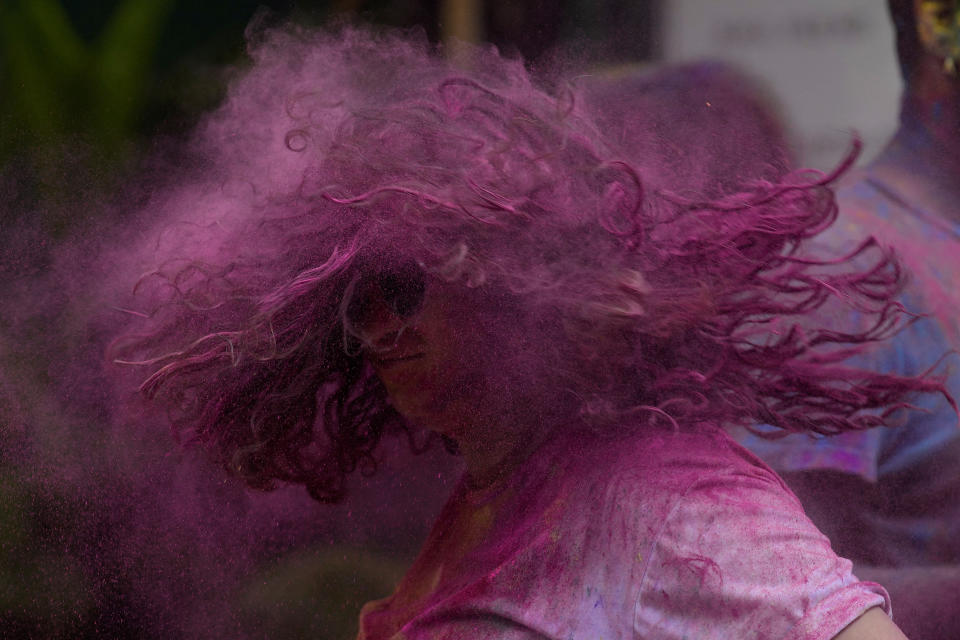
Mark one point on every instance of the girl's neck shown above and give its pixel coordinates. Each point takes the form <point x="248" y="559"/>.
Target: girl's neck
<point x="493" y="459"/>
<point x="927" y="142"/>
<point x="922" y="161"/>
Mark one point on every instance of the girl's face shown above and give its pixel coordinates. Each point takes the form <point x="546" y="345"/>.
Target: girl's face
<point x="449" y="360"/>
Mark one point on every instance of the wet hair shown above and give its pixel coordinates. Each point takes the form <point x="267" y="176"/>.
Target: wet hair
<point x="342" y="157"/>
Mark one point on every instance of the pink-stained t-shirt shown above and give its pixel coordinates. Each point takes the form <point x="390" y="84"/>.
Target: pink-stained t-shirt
<point x="657" y="535"/>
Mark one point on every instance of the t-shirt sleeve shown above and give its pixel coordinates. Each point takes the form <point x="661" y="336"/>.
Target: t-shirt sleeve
<point x="737" y="558"/>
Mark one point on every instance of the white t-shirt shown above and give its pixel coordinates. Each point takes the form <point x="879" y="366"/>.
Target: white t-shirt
<point x="658" y="535"/>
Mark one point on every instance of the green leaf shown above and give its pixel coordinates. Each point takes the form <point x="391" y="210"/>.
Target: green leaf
<point x="33" y="89"/>
<point x="56" y="37"/>
<point x="126" y="49"/>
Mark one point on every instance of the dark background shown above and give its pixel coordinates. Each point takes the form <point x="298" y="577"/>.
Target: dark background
<point x="116" y="535"/>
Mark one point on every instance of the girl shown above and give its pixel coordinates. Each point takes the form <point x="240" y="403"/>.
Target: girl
<point x="375" y="242"/>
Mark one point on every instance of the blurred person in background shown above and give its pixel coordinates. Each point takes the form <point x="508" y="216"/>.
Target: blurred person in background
<point x="889" y="499"/>
<point x="372" y="242"/>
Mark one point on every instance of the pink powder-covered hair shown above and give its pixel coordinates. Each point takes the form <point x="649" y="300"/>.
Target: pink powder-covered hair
<point x="339" y="154"/>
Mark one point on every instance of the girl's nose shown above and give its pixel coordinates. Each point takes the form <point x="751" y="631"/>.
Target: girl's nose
<point x="380" y="327"/>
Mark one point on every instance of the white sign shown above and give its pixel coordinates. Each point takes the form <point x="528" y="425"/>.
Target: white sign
<point x="831" y="64"/>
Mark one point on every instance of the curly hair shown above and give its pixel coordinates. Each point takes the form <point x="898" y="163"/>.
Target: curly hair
<point x="341" y="154"/>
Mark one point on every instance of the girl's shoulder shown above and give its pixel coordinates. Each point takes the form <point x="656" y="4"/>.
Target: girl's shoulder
<point x="665" y="460"/>
<point x="695" y="522"/>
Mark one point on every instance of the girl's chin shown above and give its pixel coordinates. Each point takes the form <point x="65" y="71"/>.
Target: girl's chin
<point x="417" y="413"/>
<point x="437" y="421"/>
